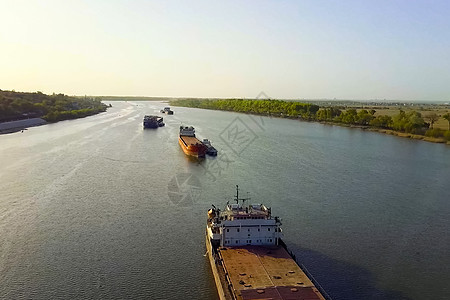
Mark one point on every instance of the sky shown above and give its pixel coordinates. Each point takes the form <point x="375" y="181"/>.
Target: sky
<point x="343" y="49"/>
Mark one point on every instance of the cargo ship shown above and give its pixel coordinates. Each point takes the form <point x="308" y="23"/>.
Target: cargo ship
<point x="189" y="143"/>
<point x="249" y="259"/>
<point x="152" y="121"/>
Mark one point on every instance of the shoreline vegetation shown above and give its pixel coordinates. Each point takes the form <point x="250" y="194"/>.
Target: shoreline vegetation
<point x="407" y="122"/>
<point x="19" y="106"/>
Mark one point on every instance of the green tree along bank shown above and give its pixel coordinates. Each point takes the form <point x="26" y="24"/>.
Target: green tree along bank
<point x="52" y="108"/>
<point x="411" y="122"/>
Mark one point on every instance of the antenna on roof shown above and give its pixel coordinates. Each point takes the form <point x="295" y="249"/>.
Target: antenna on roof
<point x="237" y="196"/>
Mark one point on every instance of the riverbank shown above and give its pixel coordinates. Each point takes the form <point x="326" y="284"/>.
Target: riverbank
<point x="391" y="132"/>
<point x="411" y="136"/>
<point x="309" y="113"/>
<point x="16" y="106"/>
<point x="19" y="125"/>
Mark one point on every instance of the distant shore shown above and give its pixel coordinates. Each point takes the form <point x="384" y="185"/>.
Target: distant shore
<point x="20" y="110"/>
<point x="387" y="119"/>
<point x="19" y="125"/>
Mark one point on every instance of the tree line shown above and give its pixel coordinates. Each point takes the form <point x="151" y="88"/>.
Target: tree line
<point x="408" y="122"/>
<point x="52" y="108"/>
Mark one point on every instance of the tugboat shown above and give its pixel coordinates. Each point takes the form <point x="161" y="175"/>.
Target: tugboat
<point x="167" y="110"/>
<point x="248" y="258"/>
<point x="210" y="150"/>
<point x="152" y="122"/>
<point x="189" y="143"/>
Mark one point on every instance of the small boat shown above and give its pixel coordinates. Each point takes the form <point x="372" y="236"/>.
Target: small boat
<point x="167" y="110"/>
<point x="152" y="122"/>
<point x="210" y="150"/>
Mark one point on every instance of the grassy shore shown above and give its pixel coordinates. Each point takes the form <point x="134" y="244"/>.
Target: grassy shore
<point x="393" y="132"/>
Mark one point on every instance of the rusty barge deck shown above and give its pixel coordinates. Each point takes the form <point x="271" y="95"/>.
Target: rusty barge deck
<point x="264" y="272"/>
<point x="190" y="140"/>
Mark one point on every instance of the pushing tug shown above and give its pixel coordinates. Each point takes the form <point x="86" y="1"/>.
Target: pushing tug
<point x="189" y="143"/>
<point x="210" y="150"/>
<point x="248" y="258"/>
<point x="152" y="121"/>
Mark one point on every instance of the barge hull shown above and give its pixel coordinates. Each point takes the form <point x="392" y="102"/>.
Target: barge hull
<point x="219" y="275"/>
<point x="192" y="146"/>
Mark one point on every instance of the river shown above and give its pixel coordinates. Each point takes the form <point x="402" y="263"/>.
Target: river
<point x="100" y="208"/>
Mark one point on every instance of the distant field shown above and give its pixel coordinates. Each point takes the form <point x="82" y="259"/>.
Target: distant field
<point x="391" y="111"/>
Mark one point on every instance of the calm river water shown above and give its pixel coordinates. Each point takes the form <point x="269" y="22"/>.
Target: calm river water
<point x="100" y="208"/>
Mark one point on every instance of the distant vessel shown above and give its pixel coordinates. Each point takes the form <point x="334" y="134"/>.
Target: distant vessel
<point x="167" y="110"/>
<point x="210" y="150"/>
<point x="248" y="258"/>
<point x="152" y="121"/>
<point x="189" y="143"/>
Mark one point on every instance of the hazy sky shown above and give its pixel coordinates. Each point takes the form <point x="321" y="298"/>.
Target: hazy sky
<point x="289" y="49"/>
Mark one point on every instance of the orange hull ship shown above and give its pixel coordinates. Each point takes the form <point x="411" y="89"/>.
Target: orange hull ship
<point x="189" y="143"/>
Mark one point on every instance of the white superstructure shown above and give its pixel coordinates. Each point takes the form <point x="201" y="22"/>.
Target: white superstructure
<point x="239" y="225"/>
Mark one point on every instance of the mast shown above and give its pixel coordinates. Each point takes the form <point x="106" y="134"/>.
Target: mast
<point x="237" y="196"/>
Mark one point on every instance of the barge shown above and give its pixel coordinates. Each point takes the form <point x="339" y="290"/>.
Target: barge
<point x="189" y="143"/>
<point x="152" y="121"/>
<point x="248" y="258"/>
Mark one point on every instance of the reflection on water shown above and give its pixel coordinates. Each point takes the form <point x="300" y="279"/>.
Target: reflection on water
<point x="100" y="208"/>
